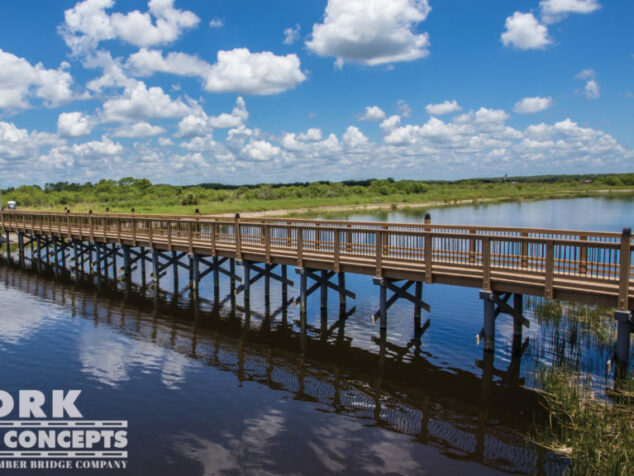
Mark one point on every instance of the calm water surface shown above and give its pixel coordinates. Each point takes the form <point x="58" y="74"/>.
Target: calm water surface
<point x="215" y="388"/>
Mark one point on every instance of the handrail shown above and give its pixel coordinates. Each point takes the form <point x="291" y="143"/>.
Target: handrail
<point x="320" y="223"/>
<point x="552" y="254"/>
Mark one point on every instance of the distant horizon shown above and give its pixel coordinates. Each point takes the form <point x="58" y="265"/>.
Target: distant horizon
<point x="185" y="92"/>
<point x="537" y="178"/>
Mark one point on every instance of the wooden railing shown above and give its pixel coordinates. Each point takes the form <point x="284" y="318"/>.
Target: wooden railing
<point x="596" y="261"/>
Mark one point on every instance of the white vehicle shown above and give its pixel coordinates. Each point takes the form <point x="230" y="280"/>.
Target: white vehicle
<point x="11" y="205"/>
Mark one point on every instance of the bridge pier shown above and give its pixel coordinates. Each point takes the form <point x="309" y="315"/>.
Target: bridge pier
<point x="8" y="242"/>
<point x="21" y="248"/>
<point x="399" y="291"/>
<point x="625" y="326"/>
<point x="322" y="281"/>
<point x="494" y="304"/>
<point x="267" y="272"/>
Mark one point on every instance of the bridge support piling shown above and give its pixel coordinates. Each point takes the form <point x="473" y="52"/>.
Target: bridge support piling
<point x="232" y="273"/>
<point x="623" y="331"/>
<point x="518" y="306"/>
<point x="56" y="260"/>
<point x="418" y="293"/>
<point x="284" y="284"/>
<point x="324" y="290"/>
<point x="195" y="263"/>
<point x="143" y="272"/>
<point x="399" y="291"/>
<point x="8" y="241"/>
<point x="383" y="305"/>
<point x="38" y="240"/>
<point x="90" y="249"/>
<point x="98" y="259"/>
<point x="303" y="292"/>
<point x="322" y="282"/>
<point x="342" y="294"/>
<point x="175" y="271"/>
<point x="127" y="265"/>
<point x="113" y="253"/>
<point x="76" y="258"/>
<point x="156" y="269"/>
<point x="216" y="277"/>
<point x="21" y="248"/>
<point x="488" y="331"/>
<point x="496" y="304"/>
<point x="247" y="281"/>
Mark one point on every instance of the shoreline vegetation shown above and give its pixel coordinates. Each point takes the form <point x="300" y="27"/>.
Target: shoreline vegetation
<point x="306" y="198"/>
<point x="592" y="431"/>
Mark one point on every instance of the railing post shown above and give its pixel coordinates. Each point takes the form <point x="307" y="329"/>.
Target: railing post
<point x="91" y="224"/>
<point x="267" y="243"/>
<point x="486" y="263"/>
<point x="336" y="250"/>
<point x="214" y="238"/>
<point x="524" y="251"/>
<point x="118" y="230"/>
<point x="379" y="253"/>
<point x="624" y="269"/>
<point x="300" y="247"/>
<point x="150" y="233"/>
<point x="133" y="231"/>
<point x="289" y="235"/>
<point x="583" y="256"/>
<point x="349" y="239"/>
<point x="190" y="233"/>
<point x="70" y="235"/>
<point x="169" y="236"/>
<point x="238" y="236"/>
<point x="429" y="243"/>
<point x="472" y="246"/>
<point x="549" y="270"/>
<point x="317" y="236"/>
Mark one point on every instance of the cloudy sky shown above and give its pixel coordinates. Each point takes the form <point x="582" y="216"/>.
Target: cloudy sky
<point x="184" y="91"/>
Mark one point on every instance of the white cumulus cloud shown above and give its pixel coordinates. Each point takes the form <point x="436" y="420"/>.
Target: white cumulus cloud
<point x="371" y="32"/>
<point x="88" y="23"/>
<point x="146" y="62"/>
<point x="372" y="114"/>
<point x="20" y="82"/>
<point x="198" y="123"/>
<point x="532" y="105"/>
<point x="74" y="124"/>
<point x="138" y="129"/>
<point x="445" y="107"/>
<point x="525" y="32"/>
<point x="241" y="71"/>
<point x="260" y="150"/>
<point x="139" y="102"/>
<point x="555" y="10"/>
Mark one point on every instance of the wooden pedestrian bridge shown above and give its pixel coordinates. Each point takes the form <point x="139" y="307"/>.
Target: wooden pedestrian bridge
<point x="585" y="266"/>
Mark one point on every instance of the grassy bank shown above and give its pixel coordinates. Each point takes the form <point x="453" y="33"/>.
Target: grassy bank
<point x="145" y="197"/>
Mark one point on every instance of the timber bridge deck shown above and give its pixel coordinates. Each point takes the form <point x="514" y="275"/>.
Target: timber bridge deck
<point x="584" y="266"/>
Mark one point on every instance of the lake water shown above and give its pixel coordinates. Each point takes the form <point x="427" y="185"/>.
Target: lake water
<point x="214" y="388"/>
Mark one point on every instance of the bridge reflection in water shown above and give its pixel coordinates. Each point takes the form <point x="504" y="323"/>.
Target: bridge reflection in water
<point x="484" y="419"/>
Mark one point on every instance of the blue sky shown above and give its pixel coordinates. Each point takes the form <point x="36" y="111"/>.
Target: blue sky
<point x="186" y="92"/>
